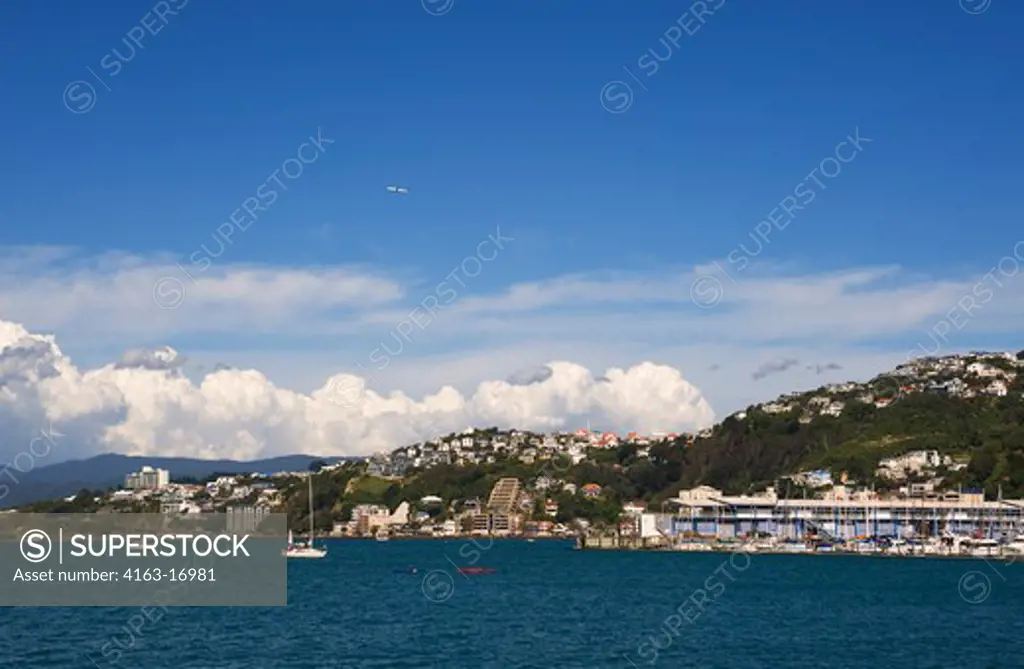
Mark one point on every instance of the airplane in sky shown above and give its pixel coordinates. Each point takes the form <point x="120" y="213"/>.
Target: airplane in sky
<point x="397" y="189"/>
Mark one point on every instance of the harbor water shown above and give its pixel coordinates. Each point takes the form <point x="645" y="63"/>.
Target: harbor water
<point x="407" y="604"/>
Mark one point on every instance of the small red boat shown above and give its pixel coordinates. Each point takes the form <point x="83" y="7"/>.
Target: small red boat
<point x="476" y="570"/>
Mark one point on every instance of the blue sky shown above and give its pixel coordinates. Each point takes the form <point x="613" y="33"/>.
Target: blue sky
<point x="491" y="114"/>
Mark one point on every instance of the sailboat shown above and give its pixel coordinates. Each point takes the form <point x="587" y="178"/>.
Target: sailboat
<point x="306" y="550"/>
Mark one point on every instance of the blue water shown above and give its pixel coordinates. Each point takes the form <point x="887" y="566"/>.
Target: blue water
<point x="551" y="607"/>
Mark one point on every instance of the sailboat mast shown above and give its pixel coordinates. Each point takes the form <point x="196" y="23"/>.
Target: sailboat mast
<point x="311" y="524"/>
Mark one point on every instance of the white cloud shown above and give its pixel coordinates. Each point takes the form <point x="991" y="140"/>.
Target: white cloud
<point x="115" y="295"/>
<point x="110" y="298"/>
<point x="151" y="401"/>
<point x="144" y="405"/>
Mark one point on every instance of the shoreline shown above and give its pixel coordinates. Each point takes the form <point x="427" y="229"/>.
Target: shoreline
<point x="1009" y="559"/>
<point x="454" y="537"/>
<point x="723" y="550"/>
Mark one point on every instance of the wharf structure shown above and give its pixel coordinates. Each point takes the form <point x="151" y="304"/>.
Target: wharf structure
<point x="706" y="512"/>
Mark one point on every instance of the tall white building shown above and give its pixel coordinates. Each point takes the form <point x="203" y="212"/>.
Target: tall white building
<point x="148" y="479"/>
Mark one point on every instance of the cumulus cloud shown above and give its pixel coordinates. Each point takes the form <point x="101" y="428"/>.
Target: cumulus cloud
<point x="143" y="405"/>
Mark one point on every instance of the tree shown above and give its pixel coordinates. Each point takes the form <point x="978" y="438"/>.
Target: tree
<point x="317" y="465"/>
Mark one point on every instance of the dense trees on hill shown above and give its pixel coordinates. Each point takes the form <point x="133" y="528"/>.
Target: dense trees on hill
<point x="751" y="453"/>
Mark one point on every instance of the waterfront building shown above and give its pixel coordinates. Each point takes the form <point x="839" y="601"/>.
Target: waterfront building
<point x="495" y="523"/>
<point x="642" y="525"/>
<point x="368" y="517"/>
<point x="499" y="516"/>
<point x="707" y="512"/>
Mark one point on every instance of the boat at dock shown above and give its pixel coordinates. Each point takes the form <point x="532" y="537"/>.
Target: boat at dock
<point x="980" y="548"/>
<point x="1014" y="547"/>
<point x="305" y="550"/>
<point x="793" y="547"/>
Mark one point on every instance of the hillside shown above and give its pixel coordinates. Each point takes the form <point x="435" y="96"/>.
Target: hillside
<point x="969" y="407"/>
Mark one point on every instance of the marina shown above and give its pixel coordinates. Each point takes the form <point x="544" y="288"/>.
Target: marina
<point x="703" y="519"/>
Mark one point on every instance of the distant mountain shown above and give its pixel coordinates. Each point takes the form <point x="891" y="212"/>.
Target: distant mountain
<point x="102" y="471"/>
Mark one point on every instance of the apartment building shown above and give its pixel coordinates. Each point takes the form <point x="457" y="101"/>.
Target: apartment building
<point x="499" y="517"/>
<point x="148" y="479"/>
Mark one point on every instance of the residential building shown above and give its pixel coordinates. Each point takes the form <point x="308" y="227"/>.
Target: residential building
<point x="148" y="479"/>
<point x="495" y="523"/>
<point x="813" y="479"/>
<point x="245" y="519"/>
<point x="983" y="370"/>
<point x="998" y="388"/>
<point x="368" y="517"/>
<point x="633" y="508"/>
<point x="503" y="495"/>
<point x="915" y="462"/>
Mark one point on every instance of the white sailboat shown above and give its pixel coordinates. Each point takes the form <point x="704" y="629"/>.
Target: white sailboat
<point x="306" y="550"/>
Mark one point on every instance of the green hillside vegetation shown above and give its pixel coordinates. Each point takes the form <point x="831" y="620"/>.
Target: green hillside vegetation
<point x="743" y="455"/>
